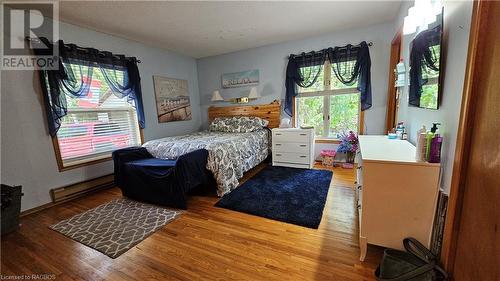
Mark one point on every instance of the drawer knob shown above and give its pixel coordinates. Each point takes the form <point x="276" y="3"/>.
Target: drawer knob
<point x="278" y="144"/>
<point x="278" y="134"/>
<point x="277" y="154"/>
<point x="303" y="145"/>
<point x="302" y="134"/>
<point x="302" y="156"/>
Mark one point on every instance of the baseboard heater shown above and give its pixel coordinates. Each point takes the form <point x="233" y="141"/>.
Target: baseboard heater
<point x="82" y="188"/>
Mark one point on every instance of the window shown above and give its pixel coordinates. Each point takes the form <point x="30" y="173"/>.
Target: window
<point x="330" y="106"/>
<point x="98" y="123"/>
<point x="430" y="91"/>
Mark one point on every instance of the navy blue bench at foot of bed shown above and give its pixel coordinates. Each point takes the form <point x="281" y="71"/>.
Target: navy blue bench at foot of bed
<point x="142" y="177"/>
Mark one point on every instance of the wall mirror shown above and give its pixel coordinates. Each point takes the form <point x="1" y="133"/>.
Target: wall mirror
<point x="426" y="60"/>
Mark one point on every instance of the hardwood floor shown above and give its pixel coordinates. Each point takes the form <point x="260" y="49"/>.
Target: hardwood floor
<point x="205" y="243"/>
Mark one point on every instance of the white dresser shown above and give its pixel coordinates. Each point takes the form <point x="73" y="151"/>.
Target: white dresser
<point x="293" y="147"/>
<point x="396" y="195"/>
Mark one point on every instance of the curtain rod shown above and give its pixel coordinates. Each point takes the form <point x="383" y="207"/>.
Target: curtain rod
<point x="81" y="48"/>
<point x="311" y="52"/>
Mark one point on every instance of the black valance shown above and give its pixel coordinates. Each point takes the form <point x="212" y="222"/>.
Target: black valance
<point x="341" y="62"/>
<point x="73" y="77"/>
<point x="423" y="58"/>
<point x="348" y="73"/>
<point x="297" y="75"/>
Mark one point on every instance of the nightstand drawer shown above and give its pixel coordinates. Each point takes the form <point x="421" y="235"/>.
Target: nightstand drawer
<point x="287" y="157"/>
<point x="283" y="136"/>
<point x="291" y="147"/>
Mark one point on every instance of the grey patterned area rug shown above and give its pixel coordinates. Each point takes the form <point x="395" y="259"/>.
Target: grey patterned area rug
<point x="117" y="226"/>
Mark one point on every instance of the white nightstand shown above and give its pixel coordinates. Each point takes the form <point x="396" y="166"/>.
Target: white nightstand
<point x="293" y="147"/>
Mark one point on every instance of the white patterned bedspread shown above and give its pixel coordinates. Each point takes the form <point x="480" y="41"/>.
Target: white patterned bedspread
<point x="229" y="154"/>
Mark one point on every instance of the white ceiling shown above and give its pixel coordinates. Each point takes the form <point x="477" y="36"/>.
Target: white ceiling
<point x="201" y="29"/>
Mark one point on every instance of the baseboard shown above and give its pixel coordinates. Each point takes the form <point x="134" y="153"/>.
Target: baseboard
<point x="67" y="193"/>
<point x="79" y="189"/>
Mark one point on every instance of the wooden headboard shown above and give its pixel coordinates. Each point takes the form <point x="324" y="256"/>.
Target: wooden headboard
<point x="269" y="112"/>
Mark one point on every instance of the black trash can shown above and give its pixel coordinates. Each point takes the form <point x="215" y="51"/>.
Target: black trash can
<point x="10" y="207"/>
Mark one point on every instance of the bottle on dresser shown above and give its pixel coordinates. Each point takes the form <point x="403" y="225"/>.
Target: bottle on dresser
<point x="429" y="138"/>
<point x="401" y="131"/>
<point x="435" y="149"/>
<point x="421" y="144"/>
<point x="429" y="143"/>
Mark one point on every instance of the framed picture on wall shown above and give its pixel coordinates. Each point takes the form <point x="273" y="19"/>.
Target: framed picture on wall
<point x="240" y="79"/>
<point x="172" y="99"/>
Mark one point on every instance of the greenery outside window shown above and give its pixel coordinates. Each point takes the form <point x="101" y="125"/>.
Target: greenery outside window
<point x="330" y="106"/>
<point x="429" y="98"/>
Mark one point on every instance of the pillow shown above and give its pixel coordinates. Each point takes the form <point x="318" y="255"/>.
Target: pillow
<point x="237" y="124"/>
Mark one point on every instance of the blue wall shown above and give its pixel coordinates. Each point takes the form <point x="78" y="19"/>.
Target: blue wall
<point x="271" y="61"/>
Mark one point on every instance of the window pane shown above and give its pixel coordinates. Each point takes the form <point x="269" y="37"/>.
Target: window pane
<point x="309" y="72"/>
<point x="344" y="114"/>
<point x="100" y="95"/>
<point x="429" y="97"/>
<point x="426" y="71"/>
<point x="310" y="113"/>
<point x="97" y="123"/>
<point x="342" y="68"/>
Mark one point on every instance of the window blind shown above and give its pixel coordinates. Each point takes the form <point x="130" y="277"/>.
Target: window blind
<point x="97" y="124"/>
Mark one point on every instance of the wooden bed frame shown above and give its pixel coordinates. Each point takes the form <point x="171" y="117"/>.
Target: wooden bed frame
<point x="270" y="112"/>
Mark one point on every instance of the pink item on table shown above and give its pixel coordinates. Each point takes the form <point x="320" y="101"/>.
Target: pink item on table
<point x="327" y="157"/>
<point x="330" y="153"/>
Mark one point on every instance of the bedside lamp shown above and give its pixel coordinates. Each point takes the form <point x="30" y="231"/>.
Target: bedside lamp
<point x="216" y="96"/>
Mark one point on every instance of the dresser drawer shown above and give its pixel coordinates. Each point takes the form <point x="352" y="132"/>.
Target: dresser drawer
<point x="299" y="137"/>
<point x="287" y="157"/>
<point x="294" y="147"/>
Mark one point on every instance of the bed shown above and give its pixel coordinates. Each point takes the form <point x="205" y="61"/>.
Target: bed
<point x="229" y="154"/>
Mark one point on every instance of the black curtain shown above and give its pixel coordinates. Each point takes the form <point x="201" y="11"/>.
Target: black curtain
<point x="73" y="78"/>
<point x="296" y="74"/>
<point x="341" y="60"/>
<point x="350" y="64"/>
<point x="423" y="58"/>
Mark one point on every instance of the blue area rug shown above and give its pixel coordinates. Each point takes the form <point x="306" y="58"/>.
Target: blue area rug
<point x="290" y="195"/>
